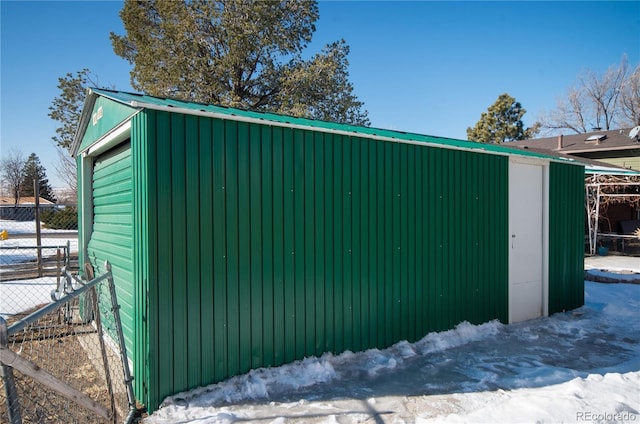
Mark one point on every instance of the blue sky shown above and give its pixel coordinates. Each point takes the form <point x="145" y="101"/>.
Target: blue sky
<point x="426" y="67"/>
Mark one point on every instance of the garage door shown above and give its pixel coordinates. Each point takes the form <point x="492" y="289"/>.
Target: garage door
<point x="112" y="236"/>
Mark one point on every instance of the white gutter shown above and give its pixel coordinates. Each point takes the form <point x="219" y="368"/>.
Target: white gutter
<point x="111" y="139"/>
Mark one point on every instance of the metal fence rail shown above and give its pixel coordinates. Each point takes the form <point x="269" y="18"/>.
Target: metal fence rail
<point x="26" y="261"/>
<point x="27" y="278"/>
<point x="66" y="362"/>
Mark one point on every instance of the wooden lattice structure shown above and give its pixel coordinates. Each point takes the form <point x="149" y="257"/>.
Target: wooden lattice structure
<point x="603" y="190"/>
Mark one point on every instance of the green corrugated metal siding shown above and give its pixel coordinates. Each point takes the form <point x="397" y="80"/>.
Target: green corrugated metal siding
<point x="268" y="244"/>
<point x="566" y="237"/>
<point x="111" y="238"/>
<point x="146" y="244"/>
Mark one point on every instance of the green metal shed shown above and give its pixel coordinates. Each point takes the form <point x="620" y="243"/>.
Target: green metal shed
<point x="242" y="239"/>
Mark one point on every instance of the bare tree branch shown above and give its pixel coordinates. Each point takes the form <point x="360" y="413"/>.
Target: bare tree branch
<point x="11" y="172"/>
<point x="66" y="169"/>
<point x="630" y="98"/>
<point x="597" y="101"/>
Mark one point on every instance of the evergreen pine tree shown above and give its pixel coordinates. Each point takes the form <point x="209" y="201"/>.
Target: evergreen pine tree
<point x="502" y="122"/>
<point x="33" y="169"/>
<point x="244" y="53"/>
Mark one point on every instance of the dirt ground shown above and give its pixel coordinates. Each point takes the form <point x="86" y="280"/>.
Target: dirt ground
<point x="70" y="352"/>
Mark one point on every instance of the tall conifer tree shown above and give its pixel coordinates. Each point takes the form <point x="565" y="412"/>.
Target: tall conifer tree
<point x="239" y="53"/>
<point x="501" y="122"/>
<point x="33" y="169"/>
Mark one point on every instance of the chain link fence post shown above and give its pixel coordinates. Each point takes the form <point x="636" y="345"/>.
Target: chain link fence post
<point x="6" y="373"/>
<point x="36" y="194"/>
<point x="123" y="349"/>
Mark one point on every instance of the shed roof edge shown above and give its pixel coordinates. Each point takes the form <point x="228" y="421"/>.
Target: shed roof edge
<point x="265" y="118"/>
<point x="505" y="151"/>
<point x="85" y="115"/>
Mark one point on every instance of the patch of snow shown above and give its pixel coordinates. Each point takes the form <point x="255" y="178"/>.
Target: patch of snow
<point x="612" y="263"/>
<point x="578" y="366"/>
<point x="22" y="295"/>
<point x="620" y="276"/>
<point x="25" y="227"/>
<point x="17" y="296"/>
<point x="595" y="398"/>
<point x="18" y="250"/>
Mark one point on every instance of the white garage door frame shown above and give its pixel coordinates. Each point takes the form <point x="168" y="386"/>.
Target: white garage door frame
<point x="528" y="239"/>
<point x="107" y="142"/>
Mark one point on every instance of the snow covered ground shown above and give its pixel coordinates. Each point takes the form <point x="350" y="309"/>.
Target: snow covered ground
<point x="579" y="366"/>
<point x="15" y="248"/>
<point x="625" y="264"/>
<point x="22" y="295"/>
<point x="25" y="227"/>
<point x="17" y="296"/>
<point x="18" y="250"/>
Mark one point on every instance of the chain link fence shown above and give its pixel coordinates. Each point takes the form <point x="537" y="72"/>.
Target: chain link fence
<point x="35" y="245"/>
<point x="62" y="351"/>
<point x="66" y="361"/>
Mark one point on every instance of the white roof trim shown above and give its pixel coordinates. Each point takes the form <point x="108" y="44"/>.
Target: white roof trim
<point x="111" y="139"/>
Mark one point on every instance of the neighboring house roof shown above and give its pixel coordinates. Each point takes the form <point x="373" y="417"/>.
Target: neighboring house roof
<point x="591" y="166"/>
<point x="138" y="102"/>
<point x="596" y="141"/>
<point x="23" y="201"/>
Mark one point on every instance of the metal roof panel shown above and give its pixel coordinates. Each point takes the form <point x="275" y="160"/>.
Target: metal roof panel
<point x="142" y="101"/>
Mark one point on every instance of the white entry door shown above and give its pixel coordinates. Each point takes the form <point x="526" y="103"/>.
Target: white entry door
<point x="526" y="219"/>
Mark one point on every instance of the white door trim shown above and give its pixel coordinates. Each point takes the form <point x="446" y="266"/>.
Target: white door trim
<point x="545" y="240"/>
<point x="85" y="185"/>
